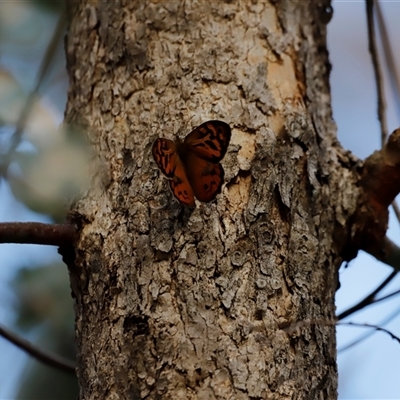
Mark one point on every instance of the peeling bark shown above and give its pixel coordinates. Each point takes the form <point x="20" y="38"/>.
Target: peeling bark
<point x="174" y="303"/>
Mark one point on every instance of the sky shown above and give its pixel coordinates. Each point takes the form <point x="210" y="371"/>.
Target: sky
<point x="368" y="370"/>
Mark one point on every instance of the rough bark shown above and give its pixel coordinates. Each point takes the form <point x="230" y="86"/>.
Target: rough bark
<point x="174" y="303"/>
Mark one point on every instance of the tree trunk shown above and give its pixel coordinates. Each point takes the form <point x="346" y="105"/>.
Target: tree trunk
<point x="174" y="303"/>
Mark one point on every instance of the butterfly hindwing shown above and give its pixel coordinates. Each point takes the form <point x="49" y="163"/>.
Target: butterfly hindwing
<point x="210" y="140"/>
<point x="205" y="177"/>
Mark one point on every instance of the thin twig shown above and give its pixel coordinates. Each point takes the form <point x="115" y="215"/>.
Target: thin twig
<point x="45" y="357"/>
<point x="368" y="299"/>
<point x="62" y="235"/>
<point x="393" y="75"/>
<point x="292" y="326"/>
<point x="43" y="70"/>
<point x="377" y="71"/>
<point x="366" y="336"/>
<point x="388" y="296"/>
<point x="389" y="253"/>
<point x="376" y="327"/>
<point x="389" y="58"/>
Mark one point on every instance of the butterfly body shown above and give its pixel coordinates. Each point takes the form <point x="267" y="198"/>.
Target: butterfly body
<point x="193" y="165"/>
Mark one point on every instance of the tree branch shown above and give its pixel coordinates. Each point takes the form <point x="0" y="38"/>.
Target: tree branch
<point x="290" y="327"/>
<point x="377" y="70"/>
<point x="62" y="235"/>
<point x="387" y="252"/>
<point x="379" y="183"/>
<point x="366" y="336"/>
<point x="389" y="58"/>
<point x="52" y="360"/>
<point x="381" y="172"/>
<point x="379" y="178"/>
<point x="393" y="75"/>
<point x="366" y="300"/>
<point x="375" y="327"/>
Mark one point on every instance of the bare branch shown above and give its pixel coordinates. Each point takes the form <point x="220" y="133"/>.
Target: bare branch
<point x="375" y="327"/>
<point x="292" y="326"/>
<point x="377" y="175"/>
<point x="52" y="360"/>
<point x="380" y="184"/>
<point x="367" y="335"/>
<point x="388" y="296"/>
<point x="393" y="75"/>
<point x="387" y="252"/>
<point x="368" y="299"/>
<point x="381" y="172"/>
<point x="389" y="58"/>
<point x="377" y="71"/>
<point x="62" y="235"/>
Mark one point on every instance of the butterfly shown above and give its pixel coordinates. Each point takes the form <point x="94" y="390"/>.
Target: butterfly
<point x="192" y="166"/>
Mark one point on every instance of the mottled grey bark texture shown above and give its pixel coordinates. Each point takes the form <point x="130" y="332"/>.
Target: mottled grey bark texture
<point x="180" y="304"/>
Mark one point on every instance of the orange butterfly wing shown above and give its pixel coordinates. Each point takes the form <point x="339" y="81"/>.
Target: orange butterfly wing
<point x="205" y="177"/>
<point x="166" y="156"/>
<point x="206" y="146"/>
<point x="209" y="140"/>
<point x="193" y="166"/>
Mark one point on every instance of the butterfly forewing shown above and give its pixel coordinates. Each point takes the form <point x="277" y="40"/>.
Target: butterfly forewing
<point x="209" y="140"/>
<point x="165" y="155"/>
